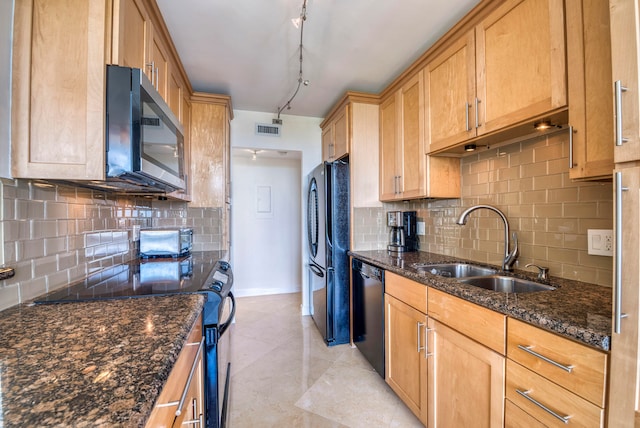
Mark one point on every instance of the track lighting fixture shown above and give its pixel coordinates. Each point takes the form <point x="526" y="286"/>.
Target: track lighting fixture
<point x="298" y="23"/>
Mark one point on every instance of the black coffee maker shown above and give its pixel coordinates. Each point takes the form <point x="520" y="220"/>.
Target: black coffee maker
<point x="411" y="241"/>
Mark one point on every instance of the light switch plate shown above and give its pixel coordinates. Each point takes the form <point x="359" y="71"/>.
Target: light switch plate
<point x="600" y="242"/>
<point x="420" y="228"/>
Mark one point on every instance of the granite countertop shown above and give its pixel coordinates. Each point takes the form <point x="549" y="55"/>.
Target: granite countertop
<point x="577" y="310"/>
<point x="90" y="364"/>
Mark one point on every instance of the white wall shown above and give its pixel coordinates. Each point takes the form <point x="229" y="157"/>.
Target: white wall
<point x="266" y="225"/>
<point x="6" y="28"/>
<point x="298" y="133"/>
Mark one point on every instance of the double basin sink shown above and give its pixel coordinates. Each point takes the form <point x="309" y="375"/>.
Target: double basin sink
<point x="483" y="277"/>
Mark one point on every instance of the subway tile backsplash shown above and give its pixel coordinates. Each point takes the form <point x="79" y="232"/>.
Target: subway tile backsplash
<point x="529" y="181"/>
<point x="54" y="235"/>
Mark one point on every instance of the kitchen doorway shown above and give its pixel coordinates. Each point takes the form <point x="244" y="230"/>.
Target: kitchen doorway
<point x="266" y="221"/>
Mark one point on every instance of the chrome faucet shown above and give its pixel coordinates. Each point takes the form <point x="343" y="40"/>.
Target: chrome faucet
<point x="510" y="256"/>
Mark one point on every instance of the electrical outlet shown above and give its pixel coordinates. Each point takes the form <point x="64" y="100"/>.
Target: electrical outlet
<point x="420" y="228"/>
<point x="600" y="242"/>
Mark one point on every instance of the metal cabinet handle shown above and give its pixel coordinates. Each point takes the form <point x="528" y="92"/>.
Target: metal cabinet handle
<point x="617" y="287"/>
<point x="477" y="117"/>
<point x="525" y="394"/>
<point x="157" y="74"/>
<point x="194" y="367"/>
<point x="528" y="349"/>
<point x="467" y="106"/>
<point x="420" y="347"/>
<point x="571" y="164"/>
<point x="152" y="66"/>
<point x="619" y="89"/>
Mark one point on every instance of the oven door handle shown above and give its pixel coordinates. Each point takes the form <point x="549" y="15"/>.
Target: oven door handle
<point x="224" y="326"/>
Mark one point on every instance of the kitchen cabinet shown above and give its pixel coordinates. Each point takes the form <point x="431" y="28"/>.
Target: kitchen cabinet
<point x="65" y="142"/>
<point x="159" y="64"/>
<point x="335" y="135"/>
<point x="466" y="363"/>
<point x="589" y="88"/>
<point x="405" y="342"/>
<point x="130" y="34"/>
<point x="406" y="172"/>
<point x="508" y="70"/>
<point x="209" y="149"/>
<point x="623" y="405"/>
<point x="625" y="56"/>
<point x="551" y="378"/>
<point x="355" y="120"/>
<point x="466" y="380"/>
<point x="184" y="389"/>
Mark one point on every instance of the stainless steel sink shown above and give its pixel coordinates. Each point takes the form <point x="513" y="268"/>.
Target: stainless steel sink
<point x="455" y="270"/>
<point x="507" y="284"/>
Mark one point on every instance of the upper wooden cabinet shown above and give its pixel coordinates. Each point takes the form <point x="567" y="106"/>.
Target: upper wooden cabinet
<point x="508" y="70"/>
<point x="406" y="172"/>
<point x="58" y="106"/>
<point x="131" y="32"/>
<point x="335" y="135"/>
<point x="589" y="84"/>
<point x="625" y="55"/>
<point x="67" y="142"/>
<point x="209" y="149"/>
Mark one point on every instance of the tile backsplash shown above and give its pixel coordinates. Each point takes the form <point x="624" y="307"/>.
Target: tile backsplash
<point x="529" y="181"/>
<point x="54" y="234"/>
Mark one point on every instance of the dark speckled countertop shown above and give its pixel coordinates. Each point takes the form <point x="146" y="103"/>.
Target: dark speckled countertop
<point x="90" y="364"/>
<point x="577" y="310"/>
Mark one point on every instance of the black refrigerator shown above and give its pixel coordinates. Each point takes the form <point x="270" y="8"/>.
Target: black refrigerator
<point x="328" y="238"/>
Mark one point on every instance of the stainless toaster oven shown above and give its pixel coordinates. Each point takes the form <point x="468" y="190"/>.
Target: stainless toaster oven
<point x="175" y="242"/>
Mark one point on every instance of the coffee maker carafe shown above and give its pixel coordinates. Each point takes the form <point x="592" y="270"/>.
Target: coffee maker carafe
<point x="395" y="221"/>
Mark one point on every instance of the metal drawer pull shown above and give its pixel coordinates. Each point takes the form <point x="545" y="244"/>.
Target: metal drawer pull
<point x="477" y="118"/>
<point x="525" y="394"/>
<point x="188" y="384"/>
<point x="528" y="349"/>
<point x="467" y="106"/>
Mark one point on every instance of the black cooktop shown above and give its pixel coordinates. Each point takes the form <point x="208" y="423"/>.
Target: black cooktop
<point x="143" y="277"/>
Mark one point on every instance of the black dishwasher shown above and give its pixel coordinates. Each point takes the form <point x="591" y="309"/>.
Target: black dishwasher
<point x="368" y="312"/>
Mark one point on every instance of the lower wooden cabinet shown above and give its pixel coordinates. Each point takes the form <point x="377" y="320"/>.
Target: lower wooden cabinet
<point x="182" y="401"/>
<point x="405" y="352"/>
<point x="466" y="381"/>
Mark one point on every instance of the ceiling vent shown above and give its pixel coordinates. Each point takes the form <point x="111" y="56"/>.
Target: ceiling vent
<point x="267" y="130"/>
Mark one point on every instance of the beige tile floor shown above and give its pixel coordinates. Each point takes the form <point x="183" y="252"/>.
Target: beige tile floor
<point x="283" y="375"/>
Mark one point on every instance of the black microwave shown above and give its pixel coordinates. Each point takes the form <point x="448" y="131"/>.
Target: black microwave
<point x="145" y="140"/>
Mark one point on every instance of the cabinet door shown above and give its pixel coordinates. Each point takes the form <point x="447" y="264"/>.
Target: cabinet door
<point x="58" y="107"/>
<point x="131" y="32"/>
<point x="327" y="143"/>
<point x="624" y="55"/>
<point x="405" y="362"/>
<point x="160" y="64"/>
<point x="520" y="63"/>
<point x="389" y="185"/>
<point x="450" y="88"/>
<point x="174" y="92"/>
<point x="209" y="148"/>
<point x="413" y="158"/>
<point x="341" y="133"/>
<point x="466" y="381"/>
<point x="624" y="380"/>
<point x="589" y="84"/>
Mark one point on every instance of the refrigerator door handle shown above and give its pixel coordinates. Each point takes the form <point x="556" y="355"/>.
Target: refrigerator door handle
<point x="316" y="270"/>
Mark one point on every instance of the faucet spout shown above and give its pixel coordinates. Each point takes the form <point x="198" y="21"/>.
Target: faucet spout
<point x="510" y="255"/>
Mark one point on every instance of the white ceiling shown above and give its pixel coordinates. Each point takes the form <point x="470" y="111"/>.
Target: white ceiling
<point x="249" y="48"/>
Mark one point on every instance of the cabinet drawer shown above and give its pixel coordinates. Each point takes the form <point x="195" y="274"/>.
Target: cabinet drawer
<point x="515" y="417"/>
<point x="410" y="292"/>
<point x="531" y="392"/>
<point x="584" y="369"/>
<point x="476" y="322"/>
